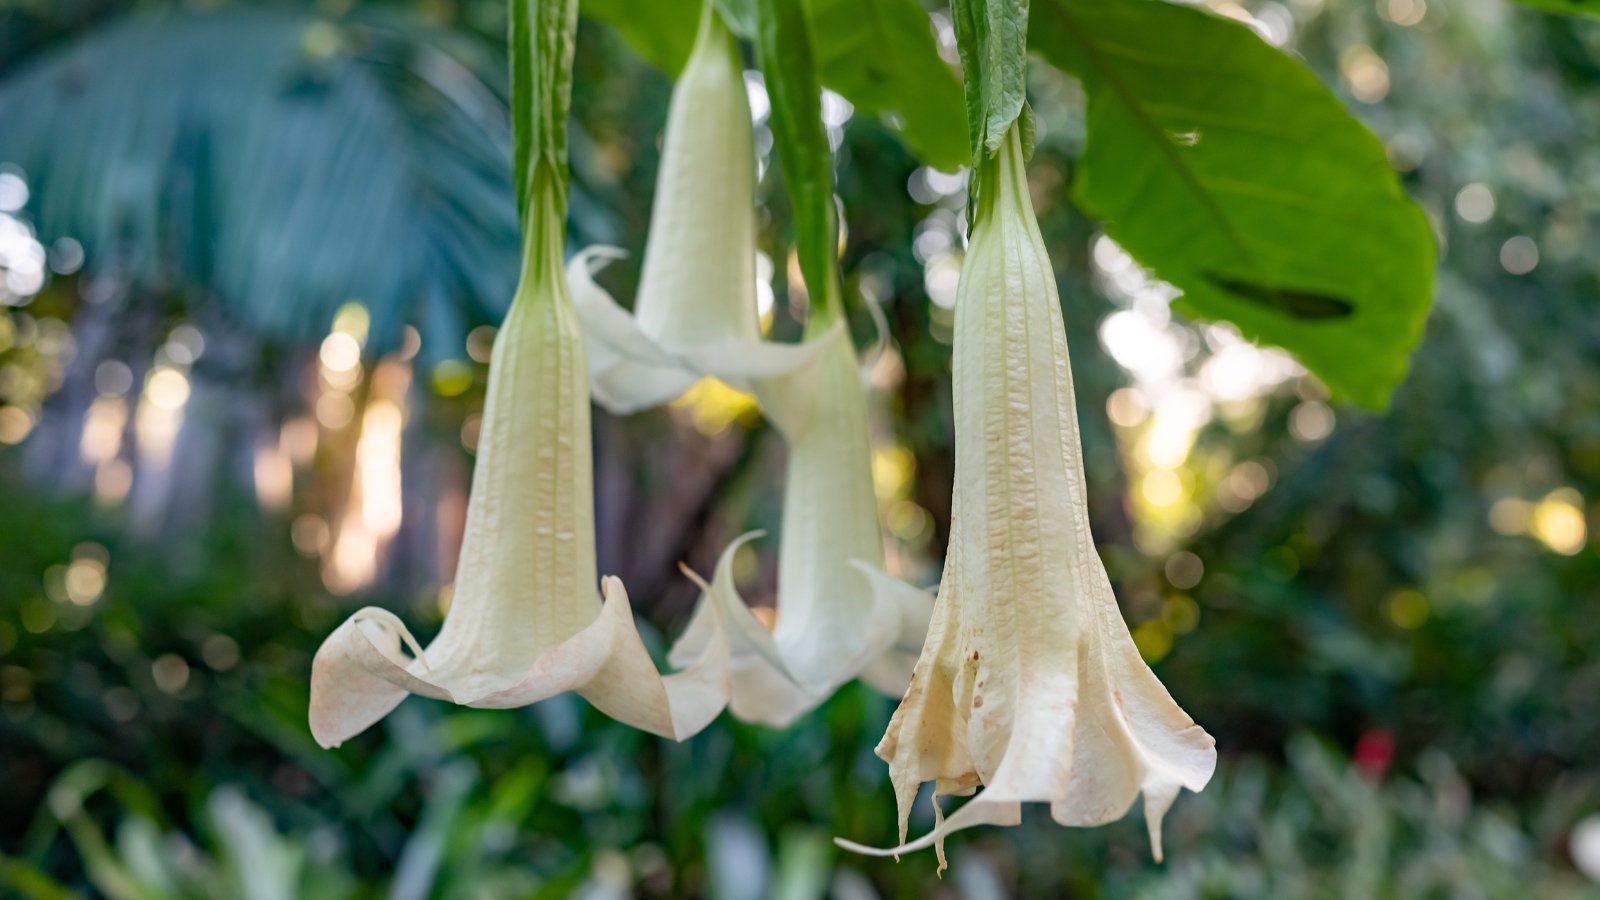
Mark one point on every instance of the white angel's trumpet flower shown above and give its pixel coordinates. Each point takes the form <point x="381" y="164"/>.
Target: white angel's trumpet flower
<point x="696" y="312"/>
<point x="840" y="616"/>
<point x="525" y="622"/>
<point x="1029" y="684"/>
<point x="839" y="612"/>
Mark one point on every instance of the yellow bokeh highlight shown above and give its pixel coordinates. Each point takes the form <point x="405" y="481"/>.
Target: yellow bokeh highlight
<point x="1162" y="487"/>
<point x="1510" y="515"/>
<point x="452" y="378"/>
<point x="892" y="468"/>
<point x="167" y="389"/>
<point x="909" y="522"/>
<point x="1180" y="613"/>
<point x="1407" y="608"/>
<point x="1154" y="639"/>
<point x="15" y="423"/>
<point x="1558" y="522"/>
<point x="354" y="320"/>
<point x="340" y="352"/>
<point x="85" y="580"/>
<point x="713" y="406"/>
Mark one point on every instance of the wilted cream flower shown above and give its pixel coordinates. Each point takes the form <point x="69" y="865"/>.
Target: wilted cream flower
<point x="1029" y="684"/>
<point x="696" y="311"/>
<point x="839" y="615"/>
<point x="525" y="622"/>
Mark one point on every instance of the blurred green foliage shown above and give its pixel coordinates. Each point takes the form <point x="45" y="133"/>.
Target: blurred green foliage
<point x="1400" y="670"/>
<point x="140" y="784"/>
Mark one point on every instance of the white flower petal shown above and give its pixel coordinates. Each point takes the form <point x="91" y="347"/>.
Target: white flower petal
<point x="1029" y="683"/>
<point x="762" y="689"/>
<point x="839" y="616"/>
<point x="830" y="515"/>
<point x="525" y="621"/>
<point x="628" y="371"/>
<point x="699" y="279"/>
<point x="695" y="314"/>
<point x="908" y="610"/>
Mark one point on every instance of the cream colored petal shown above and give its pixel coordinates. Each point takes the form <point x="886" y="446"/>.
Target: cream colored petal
<point x="698" y="283"/>
<point x="908" y="611"/>
<point x="629" y="689"/>
<point x="359" y="674"/>
<point x="1029" y="682"/>
<point x="762" y="689"/>
<point x="525" y="621"/>
<point x="839" y="615"/>
<point x="977" y="811"/>
<point x="628" y="371"/>
<point x="695" y="314"/>
<point x="830" y="515"/>
<point x="606" y="663"/>
<point x="880" y="339"/>
<point x="926" y="737"/>
<point x="721" y="606"/>
<point x="743" y="364"/>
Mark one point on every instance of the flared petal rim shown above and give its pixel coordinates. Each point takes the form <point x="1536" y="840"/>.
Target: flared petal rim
<point x="360" y="674"/>
<point x="1029" y="684"/>
<point x="764" y="689"/>
<point x="630" y="371"/>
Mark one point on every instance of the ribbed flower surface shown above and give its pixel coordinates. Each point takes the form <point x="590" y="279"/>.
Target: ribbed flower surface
<point x="525" y="621"/>
<point x="695" y="314"/>
<point x="1029" y="685"/>
<point x="699" y="279"/>
<point x="839" y="615"/>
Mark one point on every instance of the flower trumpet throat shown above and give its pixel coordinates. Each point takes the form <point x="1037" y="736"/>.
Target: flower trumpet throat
<point x="1029" y="685"/>
<point x="525" y="622"/>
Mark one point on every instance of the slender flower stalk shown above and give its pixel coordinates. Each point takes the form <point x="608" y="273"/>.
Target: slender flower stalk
<point x="525" y="622"/>
<point x="695" y="313"/>
<point x="1029" y="685"/>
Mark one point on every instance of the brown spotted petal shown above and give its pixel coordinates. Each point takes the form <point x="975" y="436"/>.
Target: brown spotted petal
<point x="1029" y="685"/>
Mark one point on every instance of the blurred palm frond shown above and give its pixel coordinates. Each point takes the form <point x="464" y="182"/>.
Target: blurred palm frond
<point x="278" y="164"/>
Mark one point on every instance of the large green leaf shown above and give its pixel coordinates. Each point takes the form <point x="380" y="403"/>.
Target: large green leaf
<point x="882" y="56"/>
<point x="1228" y="169"/>
<point x="661" y="31"/>
<point x="280" y="164"/>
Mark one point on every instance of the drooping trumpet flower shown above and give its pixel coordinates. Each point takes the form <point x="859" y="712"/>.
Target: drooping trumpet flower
<point x="840" y="616"/>
<point x="525" y="622"/>
<point x="1029" y="685"/>
<point x="695" y="313"/>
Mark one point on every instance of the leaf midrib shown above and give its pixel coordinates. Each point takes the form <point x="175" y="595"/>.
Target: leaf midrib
<point x="1107" y="72"/>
